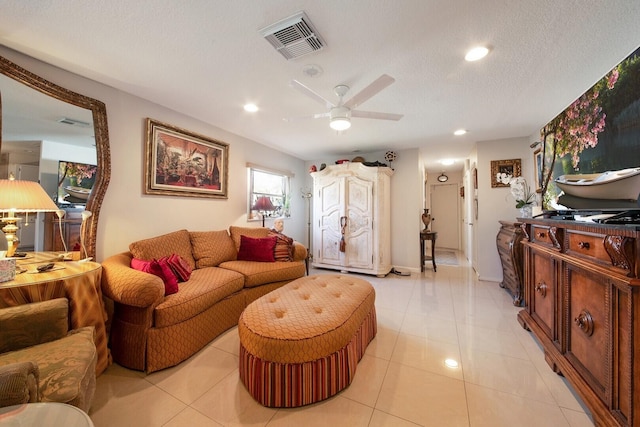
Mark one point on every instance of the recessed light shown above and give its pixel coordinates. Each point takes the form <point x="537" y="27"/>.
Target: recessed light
<point x="251" y="108"/>
<point x="460" y="132"/>
<point x="476" y="53"/>
<point x="451" y="363"/>
<point x="447" y="162"/>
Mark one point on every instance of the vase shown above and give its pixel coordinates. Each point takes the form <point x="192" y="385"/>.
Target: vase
<point x="526" y="211"/>
<point x="426" y="219"/>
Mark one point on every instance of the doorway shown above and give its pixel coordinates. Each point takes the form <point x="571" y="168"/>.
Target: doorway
<point x="445" y="214"/>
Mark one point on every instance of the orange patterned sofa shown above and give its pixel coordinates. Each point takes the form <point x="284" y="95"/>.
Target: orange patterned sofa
<point x="151" y="331"/>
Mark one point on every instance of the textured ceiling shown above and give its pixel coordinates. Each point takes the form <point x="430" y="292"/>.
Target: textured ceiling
<point x="206" y="58"/>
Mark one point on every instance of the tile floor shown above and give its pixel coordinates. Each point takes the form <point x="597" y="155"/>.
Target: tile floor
<point x="423" y="319"/>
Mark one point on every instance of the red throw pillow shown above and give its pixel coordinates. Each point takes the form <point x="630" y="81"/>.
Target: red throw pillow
<point x="179" y="267"/>
<point x="156" y="268"/>
<point x="284" y="246"/>
<point x="256" y="249"/>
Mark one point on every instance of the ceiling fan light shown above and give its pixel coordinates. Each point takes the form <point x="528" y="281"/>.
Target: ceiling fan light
<point x="340" y="118"/>
<point x="340" y="123"/>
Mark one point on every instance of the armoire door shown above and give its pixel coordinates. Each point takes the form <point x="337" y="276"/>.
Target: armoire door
<point x="359" y="233"/>
<point x="329" y="210"/>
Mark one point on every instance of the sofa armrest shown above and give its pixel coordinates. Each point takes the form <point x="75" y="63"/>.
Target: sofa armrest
<point x="128" y="286"/>
<point x="19" y="383"/>
<point x="27" y="325"/>
<point x="299" y="251"/>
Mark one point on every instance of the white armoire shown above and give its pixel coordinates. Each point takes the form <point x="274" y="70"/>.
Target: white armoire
<point x="351" y="218"/>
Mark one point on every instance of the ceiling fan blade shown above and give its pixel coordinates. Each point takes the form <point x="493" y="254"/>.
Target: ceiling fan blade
<point x="374" y="115"/>
<point x="312" y="116"/>
<point x="369" y="91"/>
<point x="311" y="94"/>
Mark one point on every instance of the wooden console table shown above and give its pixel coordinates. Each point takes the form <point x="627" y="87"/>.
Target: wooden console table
<point x="582" y="294"/>
<point x="79" y="282"/>
<point x="424" y="236"/>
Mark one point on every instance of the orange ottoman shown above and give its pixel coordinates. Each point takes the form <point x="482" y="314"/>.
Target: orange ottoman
<point x="301" y="343"/>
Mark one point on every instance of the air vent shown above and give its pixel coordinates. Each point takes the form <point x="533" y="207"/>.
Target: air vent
<point x="294" y="36"/>
<point x="74" y="122"/>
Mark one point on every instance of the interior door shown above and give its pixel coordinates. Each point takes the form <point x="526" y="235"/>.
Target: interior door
<point x="445" y="215"/>
<point x="359" y="211"/>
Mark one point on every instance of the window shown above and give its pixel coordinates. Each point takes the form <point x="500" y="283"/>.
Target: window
<point x="270" y="184"/>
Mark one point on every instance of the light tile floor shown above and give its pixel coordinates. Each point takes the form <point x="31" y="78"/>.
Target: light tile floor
<point x="423" y="319"/>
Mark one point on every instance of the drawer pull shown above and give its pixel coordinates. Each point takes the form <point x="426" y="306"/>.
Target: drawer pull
<point x="541" y="288"/>
<point x="584" y="321"/>
<point x="541" y="234"/>
<point x="583" y="245"/>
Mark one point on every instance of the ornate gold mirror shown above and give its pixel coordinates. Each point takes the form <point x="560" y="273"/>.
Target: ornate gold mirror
<point x="96" y="113"/>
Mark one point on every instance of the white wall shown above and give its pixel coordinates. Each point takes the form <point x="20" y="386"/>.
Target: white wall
<point x="496" y="204"/>
<point x="127" y="214"/>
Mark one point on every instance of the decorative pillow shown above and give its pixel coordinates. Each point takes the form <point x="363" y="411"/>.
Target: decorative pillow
<point x="177" y="242"/>
<point x="160" y="269"/>
<point x="260" y="249"/>
<point x="211" y="248"/>
<point x="178" y="266"/>
<point x="284" y="246"/>
<point x="255" y="232"/>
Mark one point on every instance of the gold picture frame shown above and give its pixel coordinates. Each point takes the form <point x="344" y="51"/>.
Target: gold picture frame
<point x="503" y="170"/>
<point x="179" y="162"/>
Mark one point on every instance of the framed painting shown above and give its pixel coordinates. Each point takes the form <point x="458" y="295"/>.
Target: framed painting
<point x="182" y="163"/>
<point x="503" y="170"/>
<point x="537" y="167"/>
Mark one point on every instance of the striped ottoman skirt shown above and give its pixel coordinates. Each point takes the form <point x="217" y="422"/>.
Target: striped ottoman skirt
<point x="301" y="343"/>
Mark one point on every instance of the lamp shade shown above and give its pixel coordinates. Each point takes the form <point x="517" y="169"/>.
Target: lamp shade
<point x="263" y="204"/>
<point x="24" y="196"/>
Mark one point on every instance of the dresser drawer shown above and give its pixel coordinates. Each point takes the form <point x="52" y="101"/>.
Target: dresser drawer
<point x="588" y="245"/>
<point x="542" y="235"/>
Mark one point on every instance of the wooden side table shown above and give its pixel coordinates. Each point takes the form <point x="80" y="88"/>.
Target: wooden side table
<point x="79" y="282"/>
<point x="424" y="236"/>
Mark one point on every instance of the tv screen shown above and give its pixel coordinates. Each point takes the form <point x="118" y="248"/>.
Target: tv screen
<point x="75" y="182"/>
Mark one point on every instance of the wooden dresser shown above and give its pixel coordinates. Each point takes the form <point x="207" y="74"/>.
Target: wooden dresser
<point x="71" y="223"/>
<point x="508" y="242"/>
<point x="582" y="304"/>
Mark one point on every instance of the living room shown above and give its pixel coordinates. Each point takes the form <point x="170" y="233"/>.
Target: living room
<point x="128" y="214"/>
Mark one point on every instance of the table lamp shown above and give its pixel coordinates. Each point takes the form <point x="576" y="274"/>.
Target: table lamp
<point x="17" y="196"/>
<point x="262" y="205"/>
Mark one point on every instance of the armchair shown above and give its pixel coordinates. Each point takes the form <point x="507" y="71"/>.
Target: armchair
<point x="41" y="360"/>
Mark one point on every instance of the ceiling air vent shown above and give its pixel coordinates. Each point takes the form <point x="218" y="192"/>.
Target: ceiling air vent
<point x="294" y="36"/>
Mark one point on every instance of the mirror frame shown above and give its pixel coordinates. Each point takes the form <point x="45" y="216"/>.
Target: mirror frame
<point x="99" y="112"/>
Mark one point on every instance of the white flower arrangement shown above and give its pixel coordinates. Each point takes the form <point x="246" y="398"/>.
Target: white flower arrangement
<point x="521" y="192"/>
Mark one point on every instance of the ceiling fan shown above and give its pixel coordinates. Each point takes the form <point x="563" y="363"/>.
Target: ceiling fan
<point x="340" y="114"/>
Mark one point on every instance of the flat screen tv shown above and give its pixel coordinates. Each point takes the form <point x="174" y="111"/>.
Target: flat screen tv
<point x="75" y="182"/>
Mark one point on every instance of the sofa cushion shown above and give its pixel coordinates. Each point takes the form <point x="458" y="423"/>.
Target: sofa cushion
<point x="206" y="287"/>
<point x="260" y="273"/>
<point x="178" y="266"/>
<point x="259" y="250"/>
<point x="284" y="246"/>
<point x="177" y="242"/>
<point x="255" y="232"/>
<point x="158" y="268"/>
<point x="210" y="248"/>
